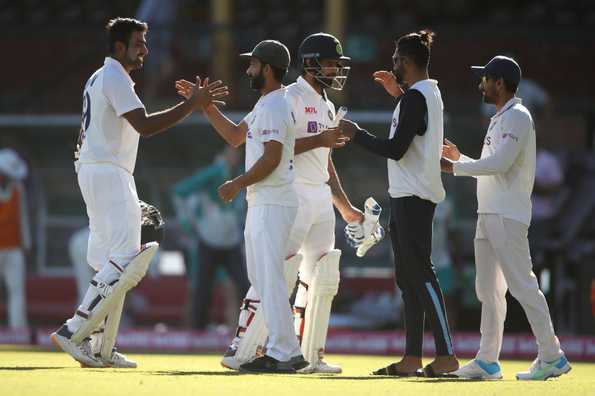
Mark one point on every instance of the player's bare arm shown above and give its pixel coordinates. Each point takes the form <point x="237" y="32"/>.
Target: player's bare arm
<point x="389" y="82"/>
<point x="265" y="165"/>
<point x="200" y="96"/>
<point x="234" y="134"/>
<point x="350" y="213"/>
<point x="332" y="138"/>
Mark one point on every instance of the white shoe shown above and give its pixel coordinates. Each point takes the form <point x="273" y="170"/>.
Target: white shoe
<point x="81" y="353"/>
<point x="479" y="369"/>
<point x="321" y="367"/>
<point x="119" y="360"/>
<point x="229" y="360"/>
<point x="541" y="370"/>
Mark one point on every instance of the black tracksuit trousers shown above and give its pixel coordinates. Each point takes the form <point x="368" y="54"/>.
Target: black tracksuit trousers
<point x="411" y="235"/>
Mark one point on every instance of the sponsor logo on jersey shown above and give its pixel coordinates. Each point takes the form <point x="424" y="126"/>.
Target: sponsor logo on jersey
<point x="312" y="127"/>
<point x="488" y="140"/>
<point x="394" y="122"/>
<point x="266" y="132"/>
<point x="249" y="135"/>
<point x="310" y="110"/>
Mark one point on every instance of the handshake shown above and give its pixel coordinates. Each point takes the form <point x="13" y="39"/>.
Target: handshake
<point x="362" y="236"/>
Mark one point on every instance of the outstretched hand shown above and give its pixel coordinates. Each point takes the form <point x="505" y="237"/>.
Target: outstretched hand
<point x="389" y="82"/>
<point x="202" y="93"/>
<point x="333" y="138"/>
<point x="348" y="128"/>
<point x="450" y="151"/>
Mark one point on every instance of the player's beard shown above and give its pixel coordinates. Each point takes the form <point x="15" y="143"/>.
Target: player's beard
<point x="257" y="82"/>
<point x="134" y="62"/>
<point x="398" y="72"/>
<point x="325" y="80"/>
<point x="488" y="97"/>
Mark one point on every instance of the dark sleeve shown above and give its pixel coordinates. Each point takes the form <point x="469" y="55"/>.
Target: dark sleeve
<point x="412" y="122"/>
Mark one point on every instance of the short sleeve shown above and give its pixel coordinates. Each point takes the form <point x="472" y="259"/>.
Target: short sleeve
<point x="273" y="124"/>
<point x="120" y="94"/>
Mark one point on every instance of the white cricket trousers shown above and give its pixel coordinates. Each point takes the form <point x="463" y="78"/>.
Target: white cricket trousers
<point x="313" y="232"/>
<point x="12" y="269"/>
<point x="114" y="214"/>
<point x="266" y="235"/>
<point x="503" y="262"/>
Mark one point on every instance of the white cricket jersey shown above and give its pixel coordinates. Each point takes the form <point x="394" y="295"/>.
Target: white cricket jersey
<point x="313" y="114"/>
<point x="271" y="120"/>
<point x="418" y="173"/>
<point x="506" y="170"/>
<point x="107" y="137"/>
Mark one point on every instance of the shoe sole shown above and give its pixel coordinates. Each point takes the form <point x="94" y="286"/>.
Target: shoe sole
<point x="553" y="375"/>
<point x="310" y="370"/>
<point x="245" y="371"/>
<point x="228" y="366"/>
<point x="56" y="342"/>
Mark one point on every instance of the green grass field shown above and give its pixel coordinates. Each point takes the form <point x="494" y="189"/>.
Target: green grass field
<point x="33" y="372"/>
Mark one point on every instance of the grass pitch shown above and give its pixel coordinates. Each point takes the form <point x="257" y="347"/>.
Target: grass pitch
<point x="33" y="372"/>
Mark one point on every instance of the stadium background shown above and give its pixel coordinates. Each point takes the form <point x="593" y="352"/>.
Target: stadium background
<point x="51" y="47"/>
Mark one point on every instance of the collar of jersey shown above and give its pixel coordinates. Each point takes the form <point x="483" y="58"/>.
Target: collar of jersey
<point x="264" y="98"/>
<point x="507" y="106"/>
<point x="426" y="81"/>
<point x="111" y="61"/>
<point x="305" y="85"/>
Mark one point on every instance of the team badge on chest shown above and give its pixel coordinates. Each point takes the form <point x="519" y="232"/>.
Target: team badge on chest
<point x="312" y="127"/>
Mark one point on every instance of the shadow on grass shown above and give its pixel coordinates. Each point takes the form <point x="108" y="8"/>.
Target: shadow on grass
<point x="352" y="378"/>
<point x="29" y="368"/>
<point x="207" y="373"/>
<point x="457" y="380"/>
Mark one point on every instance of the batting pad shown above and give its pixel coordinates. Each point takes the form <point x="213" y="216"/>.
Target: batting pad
<point x="255" y="336"/>
<point x="132" y="275"/>
<point x="112" y="324"/>
<point x="321" y="291"/>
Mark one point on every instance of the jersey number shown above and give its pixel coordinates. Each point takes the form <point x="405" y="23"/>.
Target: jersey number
<point x="86" y="120"/>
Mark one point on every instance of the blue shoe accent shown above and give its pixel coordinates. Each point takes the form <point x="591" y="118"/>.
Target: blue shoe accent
<point x="490" y="368"/>
<point x="560" y="363"/>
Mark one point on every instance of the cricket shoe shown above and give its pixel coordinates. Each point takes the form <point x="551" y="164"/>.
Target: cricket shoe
<point x="479" y="369"/>
<point x="541" y="370"/>
<point x="298" y="362"/>
<point x="267" y="364"/>
<point x="118" y="360"/>
<point x="81" y="353"/>
<point x="321" y="367"/>
<point x="230" y="361"/>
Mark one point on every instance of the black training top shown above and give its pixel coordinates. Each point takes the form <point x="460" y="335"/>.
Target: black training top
<point x="413" y="120"/>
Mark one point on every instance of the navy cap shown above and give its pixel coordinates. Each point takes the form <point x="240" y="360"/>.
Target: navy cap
<point x="272" y="52"/>
<point x="500" y="66"/>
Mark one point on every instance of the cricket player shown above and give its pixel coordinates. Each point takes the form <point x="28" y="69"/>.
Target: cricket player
<point x="268" y="132"/>
<point x="318" y="187"/>
<point x="113" y="119"/>
<point x="15" y="235"/>
<point x="505" y="174"/>
<point x="413" y="150"/>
